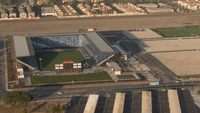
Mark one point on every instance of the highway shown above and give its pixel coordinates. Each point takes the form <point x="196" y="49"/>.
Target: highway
<point x="51" y="92"/>
<point x="53" y="25"/>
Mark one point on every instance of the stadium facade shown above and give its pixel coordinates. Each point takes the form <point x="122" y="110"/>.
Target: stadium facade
<point x="90" y="44"/>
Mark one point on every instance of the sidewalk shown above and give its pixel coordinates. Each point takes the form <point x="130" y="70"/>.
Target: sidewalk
<point x="195" y="96"/>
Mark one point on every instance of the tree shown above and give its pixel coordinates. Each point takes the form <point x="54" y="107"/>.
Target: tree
<point x="24" y="110"/>
<point x="16" y="97"/>
<point x="57" y="109"/>
<point x="198" y="92"/>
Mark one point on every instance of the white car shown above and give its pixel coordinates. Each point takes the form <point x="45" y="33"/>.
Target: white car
<point x="59" y="93"/>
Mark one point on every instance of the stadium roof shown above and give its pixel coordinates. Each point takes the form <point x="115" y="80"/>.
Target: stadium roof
<point x="21" y="46"/>
<point x="99" y="42"/>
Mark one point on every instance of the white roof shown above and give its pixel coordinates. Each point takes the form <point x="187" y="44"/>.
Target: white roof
<point x="174" y="105"/>
<point x="146" y="102"/>
<point x="91" y="104"/>
<point x="99" y="42"/>
<point x="21" y="46"/>
<point x="119" y="103"/>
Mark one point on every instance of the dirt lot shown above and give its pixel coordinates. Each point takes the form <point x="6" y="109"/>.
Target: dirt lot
<point x="32" y="107"/>
<point x="146" y="34"/>
<point x="172" y="45"/>
<point x="181" y="63"/>
<point x="106" y="23"/>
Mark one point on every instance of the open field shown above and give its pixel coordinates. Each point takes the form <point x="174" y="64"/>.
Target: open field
<point x="181" y="63"/>
<point x="179" y="32"/>
<point x="49" y="59"/>
<point x="101" y="23"/>
<point x="172" y="45"/>
<point x="70" y="78"/>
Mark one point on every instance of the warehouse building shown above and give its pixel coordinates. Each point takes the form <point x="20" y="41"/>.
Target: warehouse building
<point x="169" y="101"/>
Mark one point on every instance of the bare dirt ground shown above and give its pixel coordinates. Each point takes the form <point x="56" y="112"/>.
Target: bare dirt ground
<point x="106" y="23"/>
<point x="146" y="34"/>
<point x="32" y="107"/>
<point x="181" y="63"/>
<point x="172" y="45"/>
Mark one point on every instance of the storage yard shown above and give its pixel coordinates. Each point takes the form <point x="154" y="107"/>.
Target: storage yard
<point x="179" y="54"/>
<point x="181" y="63"/>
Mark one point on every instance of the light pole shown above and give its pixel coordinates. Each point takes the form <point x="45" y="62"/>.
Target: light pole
<point x="40" y="60"/>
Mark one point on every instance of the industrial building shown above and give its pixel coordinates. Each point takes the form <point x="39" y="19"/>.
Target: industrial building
<point x="169" y="101"/>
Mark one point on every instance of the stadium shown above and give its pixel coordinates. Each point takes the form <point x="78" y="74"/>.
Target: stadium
<point x="49" y="52"/>
<point x="105" y="53"/>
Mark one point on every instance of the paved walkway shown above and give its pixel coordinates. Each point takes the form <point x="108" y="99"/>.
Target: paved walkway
<point x="195" y="96"/>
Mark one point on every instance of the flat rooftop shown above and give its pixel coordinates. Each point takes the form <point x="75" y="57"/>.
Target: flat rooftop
<point x="99" y="42"/>
<point x="21" y="46"/>
<point x="138" y="102"/>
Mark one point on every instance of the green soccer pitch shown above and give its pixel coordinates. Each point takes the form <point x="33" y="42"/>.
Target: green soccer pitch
<point x="50" y="58"/>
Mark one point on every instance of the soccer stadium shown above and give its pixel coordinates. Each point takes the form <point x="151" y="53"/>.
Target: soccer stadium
<point x="57" y="51"/>
<point x="105" y="53"/>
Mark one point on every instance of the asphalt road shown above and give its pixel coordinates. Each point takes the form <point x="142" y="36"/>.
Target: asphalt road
<point x="52" y="25"/>
<point x="51" y="92"/>
<point x="2" y="67"/>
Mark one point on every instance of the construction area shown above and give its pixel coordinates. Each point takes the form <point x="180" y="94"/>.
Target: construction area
<point x="178" y="54"/>
<point x="182" y="63"/>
